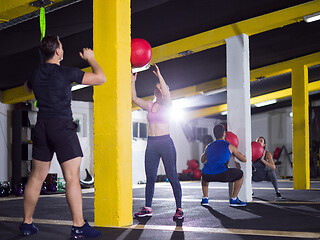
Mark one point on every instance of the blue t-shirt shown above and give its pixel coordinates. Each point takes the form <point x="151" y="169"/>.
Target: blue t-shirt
<point x="218" y="155"/>
<point x="51" y="85"/>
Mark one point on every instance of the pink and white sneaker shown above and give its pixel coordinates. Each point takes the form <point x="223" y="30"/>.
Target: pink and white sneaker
<point x="145" y="212"/>
<point x="178" y="215"/>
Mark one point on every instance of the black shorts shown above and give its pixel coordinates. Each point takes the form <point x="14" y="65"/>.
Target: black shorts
<point x="58" y="136"/>
<point x="231" y="175"/>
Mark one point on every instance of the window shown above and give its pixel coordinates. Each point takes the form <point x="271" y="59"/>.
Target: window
<point x="139" y="130"/>
<point x="77" y="123"/>
<point x="143" y="130"/>
<point x="199" y="132"/>
<point x="135" y="129"/>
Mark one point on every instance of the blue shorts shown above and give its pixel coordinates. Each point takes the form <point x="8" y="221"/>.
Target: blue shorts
<point x="58" y="136"/>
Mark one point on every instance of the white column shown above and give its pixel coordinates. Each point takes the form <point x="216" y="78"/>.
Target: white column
<point x="238" y="101"/>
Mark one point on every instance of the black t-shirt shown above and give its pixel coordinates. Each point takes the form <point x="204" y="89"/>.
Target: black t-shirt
<point x="51" y="85"/>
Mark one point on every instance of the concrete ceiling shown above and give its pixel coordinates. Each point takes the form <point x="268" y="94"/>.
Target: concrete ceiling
<point x="163" y="22"/>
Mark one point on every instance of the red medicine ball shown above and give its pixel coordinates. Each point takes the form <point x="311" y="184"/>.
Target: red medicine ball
<point x="141" y="53"/>
<point x="257" y="150"/>
<point x="232" y="139"/>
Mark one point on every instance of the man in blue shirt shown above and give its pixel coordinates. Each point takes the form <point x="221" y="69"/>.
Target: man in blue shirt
<point x="216" y="158"/>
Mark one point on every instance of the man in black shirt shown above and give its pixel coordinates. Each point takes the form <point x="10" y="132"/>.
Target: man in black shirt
<point x="55" y="132"/>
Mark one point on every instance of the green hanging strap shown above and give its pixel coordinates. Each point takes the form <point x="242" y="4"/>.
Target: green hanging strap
<point x="42" y="32"/>
<point x="42" y="22"/>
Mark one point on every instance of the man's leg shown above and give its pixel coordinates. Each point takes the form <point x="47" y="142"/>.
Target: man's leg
<point x="205" y="187"/>
<point x="205" y="190"/>
<point x="71" y="173"/>
<point x="39" y="173"/>
<point x="236" y="187"/>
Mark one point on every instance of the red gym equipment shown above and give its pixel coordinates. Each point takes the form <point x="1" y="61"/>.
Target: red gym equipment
<point x="277" y="153"/>
<point x="186" y="171"/>
<point x="197" y="174"/>
<point x="193" y="164"/>
<point x="232" y="139"/>
<point x="141" y="52"/>
<point x="257" y="151"/>
<point x="193" y="171"/>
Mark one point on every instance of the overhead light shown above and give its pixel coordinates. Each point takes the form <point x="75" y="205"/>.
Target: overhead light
<point x="260" y="78"/>
<point x="186" y="53"/>
<point x="214" y="91"/>
<point x="312" y="17"/>
<point x="224" y="113"/>
<point x="146" y="67"/>
<point x="79" y="86"/>
<point x="265" y="103"/>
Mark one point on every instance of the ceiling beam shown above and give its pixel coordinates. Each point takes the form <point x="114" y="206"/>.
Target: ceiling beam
<point x="19" y="94"/>
<point x="11" y="9"/>
<point x="204" y="41"/>
<point x="16" y="95"/>
<point x="256" y="74"/>
<point x="284" y="67"/>
<point x="205" y="112"/>
<point x="216" y="37"/>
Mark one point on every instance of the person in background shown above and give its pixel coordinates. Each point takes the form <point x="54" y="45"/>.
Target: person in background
<point x="264" y="168"/>
<point x="216" y="158"/>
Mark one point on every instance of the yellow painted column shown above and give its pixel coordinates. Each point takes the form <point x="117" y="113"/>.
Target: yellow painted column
<point x="300" y="128"/>
<point x="112" y="114"/>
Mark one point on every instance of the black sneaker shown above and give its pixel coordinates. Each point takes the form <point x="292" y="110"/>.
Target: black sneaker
<point x="278" y="195"/>
<point x="84" y="232"/>
<point x="28" y="229"/>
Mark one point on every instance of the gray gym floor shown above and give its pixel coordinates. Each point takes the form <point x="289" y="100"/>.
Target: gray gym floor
<point x="297" y="216"/>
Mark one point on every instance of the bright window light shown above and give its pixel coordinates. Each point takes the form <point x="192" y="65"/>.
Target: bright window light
<point x="177" y="112"/>
<point x="265" y="103"/>
<point x="224" y="113"/>
<point x="312" y="18"/>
